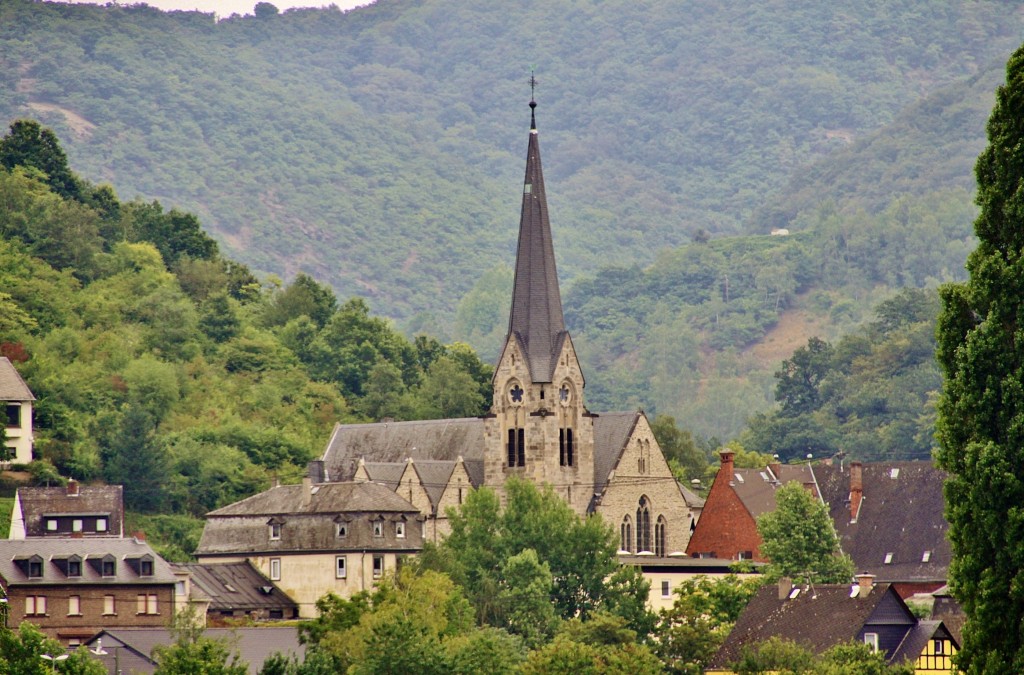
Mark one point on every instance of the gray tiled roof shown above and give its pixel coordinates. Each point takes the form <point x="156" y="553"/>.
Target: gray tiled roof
<point x="50" y="549"/>
<point x="253" y="645"/>
<point x="919" y="637"/>
<point x="12" y="387"/>
<point x="611" y="432"/>
<point x="901" y="515"/>
<point x="390" y="442"/>
<point x="818" y="618"/>
<point x="91" y="499"/>
<point x="324" y="498"/>
<point x="237" y="586"/>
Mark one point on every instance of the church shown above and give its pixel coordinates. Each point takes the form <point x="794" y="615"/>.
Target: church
<point x="538" y="428"/>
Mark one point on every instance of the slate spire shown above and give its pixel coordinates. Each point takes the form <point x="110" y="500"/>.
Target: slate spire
<point x="536" y="317"/>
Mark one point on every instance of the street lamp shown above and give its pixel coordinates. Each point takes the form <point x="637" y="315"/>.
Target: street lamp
<point x="53" y="660"/>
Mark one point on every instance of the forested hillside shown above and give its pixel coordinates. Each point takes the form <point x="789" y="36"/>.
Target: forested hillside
<point x="160" y="364"/>
<point x="380" y="150"/>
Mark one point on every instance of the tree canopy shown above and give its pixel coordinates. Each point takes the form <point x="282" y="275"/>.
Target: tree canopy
<point x="981" y="412"/>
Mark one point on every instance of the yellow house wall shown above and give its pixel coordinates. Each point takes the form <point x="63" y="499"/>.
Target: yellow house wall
<point x="931" y="662"/>
<point x="309" y="576"/>
<point x="19" y="438"/>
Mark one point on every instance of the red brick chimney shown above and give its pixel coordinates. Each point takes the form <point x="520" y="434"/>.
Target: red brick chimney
<point x="856" y="489"/>
<point x="72" y="488"/>
<point x="727" y="466"/>
<point x="139" y="536"/>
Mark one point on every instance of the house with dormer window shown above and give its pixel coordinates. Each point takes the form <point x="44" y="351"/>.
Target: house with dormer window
<point x="74" y="587"/>
<point x="315" y="538"/>
<point x="16" y="405"/>
<point x="75" y="510"/>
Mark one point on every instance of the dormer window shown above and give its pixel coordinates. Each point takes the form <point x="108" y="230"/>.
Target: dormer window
<point x="146" y="567"/>
<point x="101" y="524"/>
<point x="108" y="567"/>
<point x="51" y="524"/>
<point x="274" y="528"/>
<point x="341" y="530"/>
<point x="35" y="567"/>
<point x="378" y="528"/>
<point x="400" y="529"/>
<point x="74" y="566"/>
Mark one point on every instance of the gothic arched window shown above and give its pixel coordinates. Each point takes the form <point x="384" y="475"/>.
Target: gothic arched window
<point x="626" y="534"/>
<point x="659" y="536"/>
<point x="643" y="525"/>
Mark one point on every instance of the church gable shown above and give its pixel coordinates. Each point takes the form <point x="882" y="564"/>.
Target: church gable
<point x="642" y="498"/>
<point x="410" y="487"/>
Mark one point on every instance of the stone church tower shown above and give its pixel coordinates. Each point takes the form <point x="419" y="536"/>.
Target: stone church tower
<point x="538" y="427"/>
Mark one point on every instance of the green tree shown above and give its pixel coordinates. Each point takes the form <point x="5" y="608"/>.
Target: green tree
<point x="21" y="652"/>
<point x="799" y="381"/>
<point x="690" y="632"/>
<point x="679" y="446"/>
<point x="133" y="457"/>
<point x="981" y="411"/>
<point x="800" y="541"/>
<point x="30" y="144"/>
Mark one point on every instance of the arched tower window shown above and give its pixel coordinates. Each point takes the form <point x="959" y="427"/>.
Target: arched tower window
<point x="643" y="525"/>
<point x="659" y="536"/>
<point x="516" y="443"/>
<point x="566" y="446"/>
<point x="626" y="535"/>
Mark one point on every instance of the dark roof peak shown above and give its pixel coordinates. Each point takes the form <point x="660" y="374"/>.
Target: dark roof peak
<point x="536" y="318"/>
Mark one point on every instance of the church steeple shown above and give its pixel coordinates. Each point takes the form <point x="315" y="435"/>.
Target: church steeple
<point x="536" y="318"/>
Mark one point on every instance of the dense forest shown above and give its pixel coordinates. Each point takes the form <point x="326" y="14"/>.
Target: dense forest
<point x="162" y="365"/>
<point x="307" y="142"/>
<point x="379" y="150"/>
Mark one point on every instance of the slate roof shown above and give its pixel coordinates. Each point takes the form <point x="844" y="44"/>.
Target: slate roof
<point x="237" y="587"/>
<point x="901" y="514"/>
<point x="12" y="387"/>
<point x="918" y="638"/>
<point x="394" y="442"/>
<point x="536" y="318"/>
<point x="54" y="550"/>
<point x="818" y="618"/>
<point x="324" y="498"/>
<point x="90" y="500"/>
<point x="254" y="645"/>
<point x="436" y="444"/>
<point x="611" y="432"/>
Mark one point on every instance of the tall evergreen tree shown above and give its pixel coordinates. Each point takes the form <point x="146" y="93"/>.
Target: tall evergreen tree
<point x="981" y="413"/>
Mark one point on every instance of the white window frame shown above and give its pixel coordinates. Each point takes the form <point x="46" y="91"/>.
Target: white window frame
<point x="341" y="530"/>
<point x="378" y="528"/>
<point x="400" y="529"/>
<point x="340" y="567"/>
<point x="666" y="588"/>
<point x="74" y="605"/>
<point x="275" y="531"/>
<point x="871" y="640"/>
<point x="275" y="569"/>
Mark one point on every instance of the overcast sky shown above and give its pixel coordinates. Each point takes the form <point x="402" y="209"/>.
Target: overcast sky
<point x="228" y="7"/>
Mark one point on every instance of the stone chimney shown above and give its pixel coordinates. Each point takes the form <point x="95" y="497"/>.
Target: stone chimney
<point x="865" y="582"/>
<point x="317" y="472"/>
<point x="856" y="489"/>
<point x="785" y="587"/>
<point x="72" y="488"/>
<point x="726" y="472"/>
<point x="307" y="492"/>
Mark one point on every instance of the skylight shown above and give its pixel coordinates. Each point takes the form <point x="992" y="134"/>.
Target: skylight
<point x="739" y="477"/>
<point x="926" y="556"/>
<point x="894" y="473"/>
<point x="888" y="558"/>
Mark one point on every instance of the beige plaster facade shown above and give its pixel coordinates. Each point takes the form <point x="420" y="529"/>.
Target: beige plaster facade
<point x="307" y="577"/>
